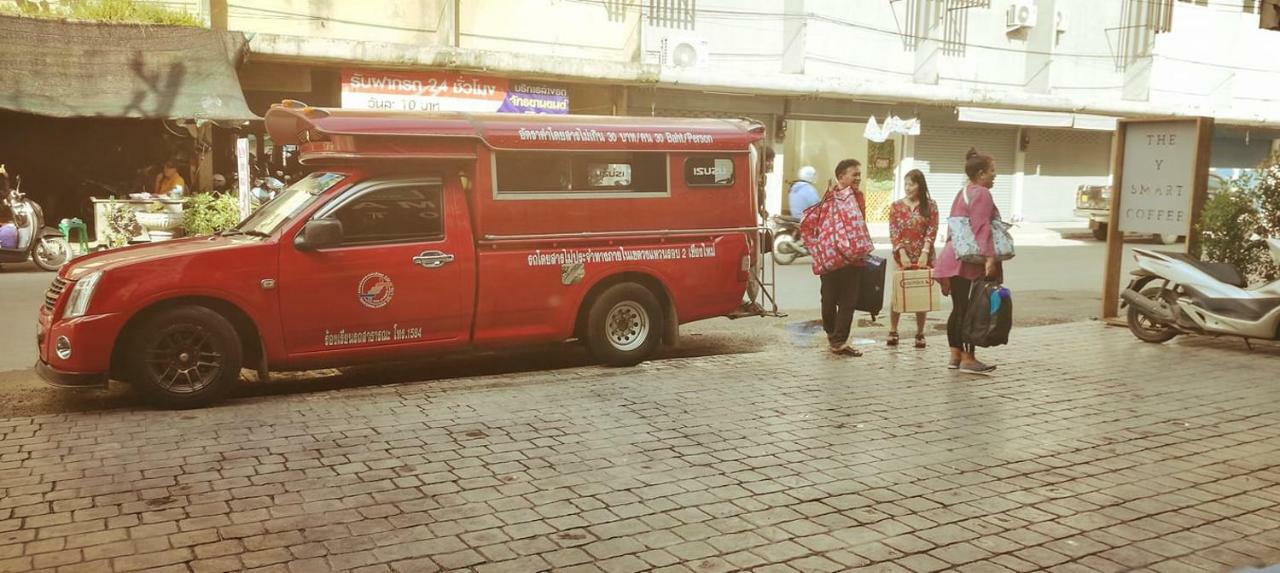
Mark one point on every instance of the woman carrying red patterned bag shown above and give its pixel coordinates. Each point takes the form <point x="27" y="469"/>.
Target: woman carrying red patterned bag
<point x="836" y="232"/>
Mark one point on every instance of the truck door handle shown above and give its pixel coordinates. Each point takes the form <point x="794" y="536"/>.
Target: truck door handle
<point x="432" y="259"/>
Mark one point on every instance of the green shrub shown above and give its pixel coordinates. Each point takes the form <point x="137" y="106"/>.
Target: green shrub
<point x="207" y="213"/>
<point x="1238" y="219"/>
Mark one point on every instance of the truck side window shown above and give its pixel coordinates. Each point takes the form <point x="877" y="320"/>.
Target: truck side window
<point x="580" y="172"/>
<point x="393" y="215"/>
<point x="708" y="171"/>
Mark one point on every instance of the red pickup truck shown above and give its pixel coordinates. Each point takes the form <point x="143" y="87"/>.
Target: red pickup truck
<point x="420" y="234"/>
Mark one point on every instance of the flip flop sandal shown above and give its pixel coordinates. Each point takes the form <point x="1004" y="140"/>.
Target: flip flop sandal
<point x="847" y="350"/>
<point x="953" y="365"/>
<point x="920" y="341"/>
<point x="978" y="368"/>
<point x="893" y="339"/>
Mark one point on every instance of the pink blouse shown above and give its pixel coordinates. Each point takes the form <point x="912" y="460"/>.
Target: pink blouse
<point x="980" y="210"/>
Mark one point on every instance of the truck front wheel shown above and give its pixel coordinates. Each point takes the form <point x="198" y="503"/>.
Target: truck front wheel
<point x="184" y="357"/>
<point x="625" y="325"/>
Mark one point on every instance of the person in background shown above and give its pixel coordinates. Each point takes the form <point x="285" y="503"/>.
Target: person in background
<point x="975" y="202"/>
<point x="769" y="154"/>
<point x="840" y="287"/>
<point x="8" y="231"/>
<point x="913" y="228"/>
<point x="168" y="179"/>
<point x="803" y="194"/>
<point x="220" y="183"/>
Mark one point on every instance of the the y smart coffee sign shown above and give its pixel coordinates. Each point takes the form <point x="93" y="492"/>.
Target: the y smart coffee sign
<point x="1159" y="176"/>
<point x="1161" y="179"/>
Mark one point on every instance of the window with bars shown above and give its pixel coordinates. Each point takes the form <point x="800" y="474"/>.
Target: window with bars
<point x="1140" y="21"/>
<point x="953" y="15"/>
<point x="675" y="14"/>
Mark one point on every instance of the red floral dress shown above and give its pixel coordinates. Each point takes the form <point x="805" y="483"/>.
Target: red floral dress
<point x="911" y="231"/>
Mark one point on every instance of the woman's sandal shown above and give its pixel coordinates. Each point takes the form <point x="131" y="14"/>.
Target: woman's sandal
<point x="977" y="368"/>
<point x="846" y="350"/>
<point x="920" y="341"/>
<point x="893" y="339"/>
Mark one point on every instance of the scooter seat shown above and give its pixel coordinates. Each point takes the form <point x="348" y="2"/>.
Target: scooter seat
<point x="1224" y="272"/>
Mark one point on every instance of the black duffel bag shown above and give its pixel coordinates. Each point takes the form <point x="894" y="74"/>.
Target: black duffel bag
<point x="989" y="318"/>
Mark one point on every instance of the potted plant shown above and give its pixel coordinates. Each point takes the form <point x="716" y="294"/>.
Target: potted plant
<point x="122" y="225"/>
<point x="160" y="223"/>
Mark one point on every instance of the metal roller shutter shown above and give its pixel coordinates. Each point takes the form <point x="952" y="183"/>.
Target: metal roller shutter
<point x="940" y="155"/>
<point x="1059" y="161"/>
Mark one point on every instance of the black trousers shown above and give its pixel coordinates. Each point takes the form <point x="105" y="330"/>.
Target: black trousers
<point x="959" y="307"/>
<point x="839" y="295"/>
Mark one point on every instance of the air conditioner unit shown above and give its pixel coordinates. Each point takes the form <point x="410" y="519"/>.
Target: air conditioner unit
<point x="1022" y="14"/>
<point x="683" y="50"/>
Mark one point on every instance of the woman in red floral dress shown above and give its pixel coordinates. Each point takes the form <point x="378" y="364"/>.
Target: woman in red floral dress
<point x="913" y="228"/>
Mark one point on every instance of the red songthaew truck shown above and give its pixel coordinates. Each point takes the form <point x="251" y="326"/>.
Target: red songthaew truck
<point x="427" y="233"/>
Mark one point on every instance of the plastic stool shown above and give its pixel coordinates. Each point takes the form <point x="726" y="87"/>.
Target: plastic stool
<point x="68" y="225"/>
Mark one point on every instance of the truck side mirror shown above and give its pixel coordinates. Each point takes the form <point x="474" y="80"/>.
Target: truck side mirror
<point x="319" y="234"/>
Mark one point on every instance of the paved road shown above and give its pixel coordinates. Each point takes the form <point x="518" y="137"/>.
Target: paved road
<point x="1056" y="280"/>
<point x="1086" y="451"/>
<point x="22" y="290"/>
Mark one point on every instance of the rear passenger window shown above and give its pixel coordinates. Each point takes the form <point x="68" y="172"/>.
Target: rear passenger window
<point x="708" y="171"/>
<point x="543" y="172"/>
<point x="393" y="215"/>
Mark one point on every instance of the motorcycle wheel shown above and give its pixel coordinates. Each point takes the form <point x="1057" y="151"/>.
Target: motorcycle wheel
<point x="1144" y="328"/>
<point x="51" y="253"/>
<point x="783" y="251"/>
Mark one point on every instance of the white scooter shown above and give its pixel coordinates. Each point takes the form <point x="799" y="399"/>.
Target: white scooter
<point x="787" y="245"/>
<point x="1174" y="293"/>
<point x="44" y="246"/>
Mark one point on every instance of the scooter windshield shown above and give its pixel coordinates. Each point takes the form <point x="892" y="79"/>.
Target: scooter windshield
<point x="289" y="203"/>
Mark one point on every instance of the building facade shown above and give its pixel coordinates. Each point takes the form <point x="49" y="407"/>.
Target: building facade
<point x="1038" y="84"/>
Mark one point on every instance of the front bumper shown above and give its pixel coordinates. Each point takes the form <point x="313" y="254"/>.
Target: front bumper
<point x="60" y="379"/>
<point x="1094" y="215"/>
<point x="92" y="339"/>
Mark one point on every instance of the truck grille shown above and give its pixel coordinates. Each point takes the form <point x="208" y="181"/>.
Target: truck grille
<point x="54" y="293"/>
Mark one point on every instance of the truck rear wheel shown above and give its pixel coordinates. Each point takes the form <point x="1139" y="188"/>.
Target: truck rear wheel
<point x="1100" y="232"/>
<point x="184" y="357"/>
<point x="625" y="325"/>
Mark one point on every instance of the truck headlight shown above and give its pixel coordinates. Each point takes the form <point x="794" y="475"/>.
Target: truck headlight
<point x="78" y="302"/>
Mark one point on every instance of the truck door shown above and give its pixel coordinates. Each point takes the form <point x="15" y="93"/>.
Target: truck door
<point x="403" y="277"/>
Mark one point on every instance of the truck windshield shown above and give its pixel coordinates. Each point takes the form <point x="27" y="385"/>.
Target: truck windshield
<point x="291" y="201"/>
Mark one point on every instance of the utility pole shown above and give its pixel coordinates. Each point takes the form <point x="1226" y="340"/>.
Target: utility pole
<point x="1269" y="15"/>
<point x="215" y="12"/>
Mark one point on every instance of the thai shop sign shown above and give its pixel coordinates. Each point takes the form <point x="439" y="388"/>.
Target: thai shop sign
<point x="448" y="91"/>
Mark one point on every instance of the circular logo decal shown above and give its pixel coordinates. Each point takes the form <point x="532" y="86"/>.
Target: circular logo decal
<point x="375" y="290"/>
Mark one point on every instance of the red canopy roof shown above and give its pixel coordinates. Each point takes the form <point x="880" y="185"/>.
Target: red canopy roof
<point x="293" y="123"/>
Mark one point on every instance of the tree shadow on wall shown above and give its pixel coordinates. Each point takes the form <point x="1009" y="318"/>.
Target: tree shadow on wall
<point x="160" y="93"/>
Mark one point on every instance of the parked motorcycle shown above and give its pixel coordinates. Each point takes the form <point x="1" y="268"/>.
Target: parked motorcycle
<point x="787" y="244"/>
<point x="45" y="246"/>
<point x="1175" y="293"/>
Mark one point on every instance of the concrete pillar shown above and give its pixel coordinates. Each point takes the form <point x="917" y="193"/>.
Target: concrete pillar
<point x="795" y="28"/>
<point x="1019" y="173"/>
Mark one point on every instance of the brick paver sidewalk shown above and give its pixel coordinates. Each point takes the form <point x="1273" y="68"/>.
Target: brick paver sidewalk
<point x="1088" y="451"/>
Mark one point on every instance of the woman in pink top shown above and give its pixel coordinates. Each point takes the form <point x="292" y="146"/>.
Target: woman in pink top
<point x="959" y="276"/>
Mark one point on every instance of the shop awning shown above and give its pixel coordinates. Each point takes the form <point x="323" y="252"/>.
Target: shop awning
<point x="1033" y="118"/>
<point x="82" y="69"/>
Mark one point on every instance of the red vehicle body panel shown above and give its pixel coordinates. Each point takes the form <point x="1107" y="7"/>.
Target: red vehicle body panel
<point x="512" y="278"/>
